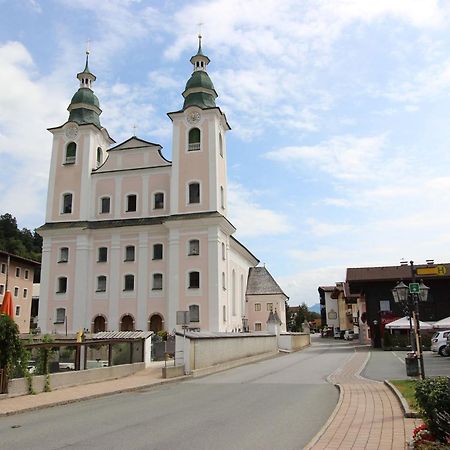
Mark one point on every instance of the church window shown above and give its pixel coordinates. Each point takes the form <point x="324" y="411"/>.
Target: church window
<point x="99" y="156"/>
<point x="102" y="254"/>
<point x="157" y="282"/>
<point x="67" y="204"/>
<point x="159" y="200"/>
<point x="258" y="326"/>
<point x="71" y="153"/>
<point x="220" y="145"/>
<point x="194" y="280"/>
<point x="194" y="193"/>
<point x="128" y="283"/>
<point x="194" y="247"/>
<point x="224" y="285"/>
<point x="222" y="198"/>
<point x="60" y="315"/>
<point x="194" y="140"/>
<point x="101" y="283"/>
<point x="62" y="285"/>
<point x="223" y="251"/>
<point x="131" y="202"/>
<point x="63" y="254"/>
<point x="158" y="251"/>
<point x="129" y="253"/>
<point x="194" y="313"/>
<point x="105" y="205"/>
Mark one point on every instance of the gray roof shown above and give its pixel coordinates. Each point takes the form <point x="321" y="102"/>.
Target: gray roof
<point x="260" y="282"/>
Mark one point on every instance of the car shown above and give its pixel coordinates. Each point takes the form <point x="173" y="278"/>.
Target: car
<point x="439" y="342"/>
<point x="337" y="333"/>
<point x="349" y="335"/>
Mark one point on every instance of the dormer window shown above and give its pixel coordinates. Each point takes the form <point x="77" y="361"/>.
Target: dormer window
<point x="71" y="153"/>
<point x="194" y="140"/>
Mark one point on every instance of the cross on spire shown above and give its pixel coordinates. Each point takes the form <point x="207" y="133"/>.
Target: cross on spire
<point x="134" y="130"/>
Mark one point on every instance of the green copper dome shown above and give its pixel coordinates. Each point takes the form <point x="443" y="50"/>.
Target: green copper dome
<point x="85" y="95"/>
<point x="199" y="79"/>
<point x="200" y="99"/>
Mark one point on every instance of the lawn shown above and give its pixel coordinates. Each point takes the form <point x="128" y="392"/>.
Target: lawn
<point x="407" y="388"/>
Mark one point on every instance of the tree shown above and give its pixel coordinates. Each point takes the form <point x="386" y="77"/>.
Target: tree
<point x="10" y="343"/>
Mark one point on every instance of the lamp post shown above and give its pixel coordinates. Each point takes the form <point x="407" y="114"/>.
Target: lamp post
<point x="409" y="296"/>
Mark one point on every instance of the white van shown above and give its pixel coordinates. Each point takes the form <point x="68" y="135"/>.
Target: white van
<point x="439" y="342"/>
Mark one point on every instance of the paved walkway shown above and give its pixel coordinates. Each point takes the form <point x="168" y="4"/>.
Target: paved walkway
<point x="367" y="416"/>
<point x="144" y="378"/>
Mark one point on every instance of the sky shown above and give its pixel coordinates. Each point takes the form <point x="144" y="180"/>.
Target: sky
<point x="339" y="150"/>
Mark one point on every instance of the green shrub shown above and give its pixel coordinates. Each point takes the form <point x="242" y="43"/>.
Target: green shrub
<point x="433" y="399"/>
<point x="387" y="340"/>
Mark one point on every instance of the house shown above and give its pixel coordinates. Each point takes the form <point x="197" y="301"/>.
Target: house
<point x="130" y="237"/>
<point x="16" y="275"/>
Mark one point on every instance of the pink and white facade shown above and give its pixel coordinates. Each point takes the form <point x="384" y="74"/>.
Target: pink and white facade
<point x="131" y="238"/>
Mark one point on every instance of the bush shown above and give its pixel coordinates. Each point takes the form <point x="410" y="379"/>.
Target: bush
<point x="10" y="343"/>
<point x="433" y="399"/>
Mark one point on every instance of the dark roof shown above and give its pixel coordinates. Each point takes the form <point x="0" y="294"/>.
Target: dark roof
<point x="19" y="258"/>
<point x="327" y="288"/>
<point x="260" y="282"/>
<point x="391" y="272"/>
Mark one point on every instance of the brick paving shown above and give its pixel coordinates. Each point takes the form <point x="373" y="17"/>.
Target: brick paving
<point x="368" y="415"/>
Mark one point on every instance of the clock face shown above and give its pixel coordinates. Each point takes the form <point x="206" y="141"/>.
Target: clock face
<point x="72" y="131"/>
<point x="193" y="117"/>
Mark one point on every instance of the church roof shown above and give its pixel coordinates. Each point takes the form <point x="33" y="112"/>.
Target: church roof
<point x="261" y="282"/>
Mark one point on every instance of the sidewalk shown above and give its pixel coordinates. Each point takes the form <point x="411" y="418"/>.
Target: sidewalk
<point x="367" y="416"/>
<point x="145" y="378"/>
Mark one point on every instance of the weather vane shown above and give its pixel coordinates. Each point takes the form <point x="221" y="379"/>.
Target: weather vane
<point x="134" y="130"/>
<point x="88" y="44"/>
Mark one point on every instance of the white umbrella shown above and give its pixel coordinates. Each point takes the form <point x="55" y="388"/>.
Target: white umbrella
<point x="403" y="324"/>
<point x="443" y="324"/>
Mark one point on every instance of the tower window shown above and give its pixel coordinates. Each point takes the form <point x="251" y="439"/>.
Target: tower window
<point x="159" y="200"/>
<point x="101" y="283"/>
<point x="131" y="202"/>
<point x="194" y="280"/>
<point x="129" y="253"/>
<point x="25" y="293"/>
<point x="222" y="198"/>
<point x="67" y="204"/>
<point x="194" y="193"/>
<point x="157" y="281"/>
<point x="63" y="254"/>
<point x="158" y="251"/>
<point x="224" y="284"/>
<point x="194" y="313"/>
<point x="99" y="156"/>
<point x="105" y="205"/>
<point x="71" y="153"/>
<point x="194" y="247"/>
<point x="129" y="283"/>
<point x="102" y="254"/>
<point x="62" y="285"/>
<point x="221" y="145"/>
<point x="194" y="140"/>
<point x="60" y="315"/>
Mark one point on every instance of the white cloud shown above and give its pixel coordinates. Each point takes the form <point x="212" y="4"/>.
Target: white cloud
<point x="250" y="218"/>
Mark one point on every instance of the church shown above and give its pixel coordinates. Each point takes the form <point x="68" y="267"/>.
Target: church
<point x="130" y="238"/>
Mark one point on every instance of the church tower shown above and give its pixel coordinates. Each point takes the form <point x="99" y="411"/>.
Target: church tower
<point x="199" y="180"/>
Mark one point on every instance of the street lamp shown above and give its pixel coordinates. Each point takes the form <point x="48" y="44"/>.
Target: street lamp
<point x="409" y="296"/>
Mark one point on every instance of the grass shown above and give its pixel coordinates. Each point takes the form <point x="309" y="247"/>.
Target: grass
<point x="408" y="389"/>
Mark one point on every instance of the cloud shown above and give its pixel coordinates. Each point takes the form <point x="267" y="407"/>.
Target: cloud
<point x="252" y="219"/>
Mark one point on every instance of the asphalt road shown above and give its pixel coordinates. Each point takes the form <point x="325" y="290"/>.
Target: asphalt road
<point x="279" y="403"/>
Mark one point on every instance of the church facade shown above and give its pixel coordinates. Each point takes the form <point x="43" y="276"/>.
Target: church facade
<point x="131" y="238"/>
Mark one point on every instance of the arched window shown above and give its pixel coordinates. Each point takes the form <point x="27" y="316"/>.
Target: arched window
<point x="159" y="200"/>
<point x="101" y="283"/>
<point x="99" y="324"/>
<point x="99" y="156"/>
<point x="220" y="145"/>
<point x="194" y="247"/>
<point x="127" y="323"/>
<point x="194" y="140"/>
<point x="155" y="323"/>
<point x="194" y="313"/>
<point x="66" y="204"/>
<point x="194" y="280"/>
<point x="194" y="193"/>
<point x="71" y="153"/>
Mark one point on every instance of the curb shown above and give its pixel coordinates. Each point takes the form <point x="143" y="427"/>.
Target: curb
<point x="93" y="396"/>
<point x="407" y="411"/>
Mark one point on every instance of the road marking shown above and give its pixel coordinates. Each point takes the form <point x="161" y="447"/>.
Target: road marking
<point x="400" y="359"/>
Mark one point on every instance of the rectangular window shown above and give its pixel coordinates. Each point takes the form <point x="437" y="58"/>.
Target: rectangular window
<point x="194" y="193"/>
<point x="27" y="274"/>
<point x="159" y="200"/>
<point x="101" y="283"/>
<point x="269" y="306"/>
<point x="194" y="313"/>
<point x="157" y="281"/>
<point x="102" y="254"/>
<point x="194" y="247"/>
<point x="2" y="289"/>
<point x="129" y="253"/>
<point x="257" y="306"/>
<point x="17" y="272"/>
<point x="257" y="326"/>
<point x="105" y="205"/>
<point x="194" y="280"/>
<point x="62" y="285"/>
<point x="60" y="315"/>
<point x="3" y="268"/>
<point x="16" y="292"/>
<point x="17" y="310"/>
<point x="158" y="251"/>
<point x="63" y="254"/>
<point x="67" y="204"/>
<point x="131" y="202"/>
<point x="25" y="293"/>
<point x="129" y="283"/>
<point x="224" y="255"/>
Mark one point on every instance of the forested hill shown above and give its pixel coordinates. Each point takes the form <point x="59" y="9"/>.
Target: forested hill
<point x="24" y="242"/>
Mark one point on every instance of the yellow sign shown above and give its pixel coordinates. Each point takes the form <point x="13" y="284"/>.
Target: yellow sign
<point x="440" y="269"/>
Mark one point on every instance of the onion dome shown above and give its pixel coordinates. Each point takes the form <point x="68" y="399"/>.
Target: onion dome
<point x="84" y="107"/>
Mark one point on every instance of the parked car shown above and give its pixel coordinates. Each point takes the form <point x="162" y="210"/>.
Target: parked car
<point x="439" y="342"/>
<point x="337" y="333"/>
<point x="349" y="335"/>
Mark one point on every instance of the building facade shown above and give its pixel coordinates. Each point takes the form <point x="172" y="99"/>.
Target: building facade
<point x="131" y="238"/>
<point x="16" y="275"/>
